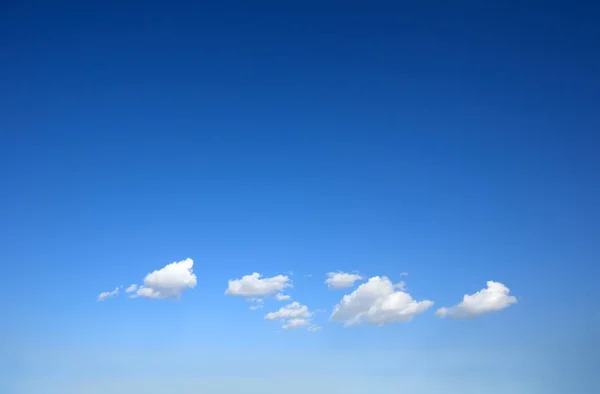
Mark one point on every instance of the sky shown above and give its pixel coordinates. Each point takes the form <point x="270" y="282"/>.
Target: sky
<point x="310" y="197"/>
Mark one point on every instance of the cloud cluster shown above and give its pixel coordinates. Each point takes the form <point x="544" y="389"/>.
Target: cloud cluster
<point x="378" y="302"/>
<point x="253" y="285"/>
<point x="293" y="315"/>
<point x="340" y="280"/>
<point x="491" y="299"/>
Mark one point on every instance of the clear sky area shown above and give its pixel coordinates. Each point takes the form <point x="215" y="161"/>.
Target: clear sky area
<point x="299" y="197"/>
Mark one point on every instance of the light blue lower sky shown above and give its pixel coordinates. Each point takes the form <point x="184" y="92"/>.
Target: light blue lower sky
<point x="397" y="359"/>
<point x="189" y="371"/>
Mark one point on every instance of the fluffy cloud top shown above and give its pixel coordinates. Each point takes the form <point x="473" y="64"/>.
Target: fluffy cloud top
<point x="169" y="281"/>
<point x="493" y="298"/>
<point x="252" y="285"/>
<point x="107" y="294"/>
<point x="340" y="280"/>
<point x="378" y="302"/>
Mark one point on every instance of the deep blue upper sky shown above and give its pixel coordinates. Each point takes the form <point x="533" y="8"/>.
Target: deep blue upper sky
<point x="453" y="140"/>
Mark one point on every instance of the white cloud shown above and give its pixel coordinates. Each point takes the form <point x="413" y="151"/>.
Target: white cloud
<point x="340" y="280"/>
<point x="378" y="302"/>
<point x="295" y="323"/>
<point x="253" y="285"/>
<point x="290" y="311"/>
<point x="282" y="297"/>
<point x="314" y="328"/>
<point x="107" y="294"/>
<point x="491" y="299"/>
<point x="403" y="273"/>
<point x="131" y="289"/>
<point x="255" y="307"/>
<point x="169" y="281"/>
<point x="293" y="315"/>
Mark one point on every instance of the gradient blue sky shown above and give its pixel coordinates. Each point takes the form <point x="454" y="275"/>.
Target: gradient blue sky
<point x="454" y="141"/>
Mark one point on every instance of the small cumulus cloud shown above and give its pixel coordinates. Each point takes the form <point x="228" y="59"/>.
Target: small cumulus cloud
<point x="107" y="294"/>
<point x="293" y="310"/>
<point x="295" y="323"/>
<point x="491" y="299"/>
<point x="340" y="280"/>
<point x="293" y="315"/>
<point x="282" y="297"/>
<point x="253" y="285"/>
<point x="378" y="302"/>
<point x="168" y="282"/>
<point x="131" y="289"/>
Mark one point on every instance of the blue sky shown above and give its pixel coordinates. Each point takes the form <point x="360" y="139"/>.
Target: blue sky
<point x="453" y="142"/>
